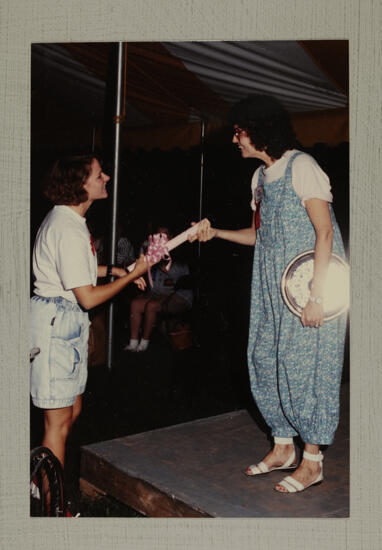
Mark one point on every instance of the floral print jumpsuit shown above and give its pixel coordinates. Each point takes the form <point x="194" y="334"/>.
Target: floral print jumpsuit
<point x="295" y="371"/>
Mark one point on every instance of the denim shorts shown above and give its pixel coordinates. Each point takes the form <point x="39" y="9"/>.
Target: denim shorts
<point x="60" y="329"/>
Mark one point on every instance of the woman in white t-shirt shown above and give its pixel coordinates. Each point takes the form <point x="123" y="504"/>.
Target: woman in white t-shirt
<point x="294" y="365"/>
<point x="65" y="272"/>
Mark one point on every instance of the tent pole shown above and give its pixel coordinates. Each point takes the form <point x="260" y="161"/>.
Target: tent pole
<point x="94" y="129"/>
<point x="93" y="138"/>
<point x="113" y="236"/>
<point x="202" y="132"/>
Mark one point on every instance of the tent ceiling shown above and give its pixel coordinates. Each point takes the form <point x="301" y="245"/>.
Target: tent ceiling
<point x="177" y="83"/>
<point x="280" y="68"/>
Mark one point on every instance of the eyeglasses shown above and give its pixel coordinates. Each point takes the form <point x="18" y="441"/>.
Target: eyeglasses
<point x="237" y="132"/>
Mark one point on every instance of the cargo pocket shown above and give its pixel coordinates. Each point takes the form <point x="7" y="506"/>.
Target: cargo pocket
<point x="65" y="358"/>
<point x="65" y="368"/>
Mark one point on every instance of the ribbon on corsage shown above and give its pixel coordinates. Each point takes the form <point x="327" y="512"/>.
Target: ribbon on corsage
<point x="157" y="251"/>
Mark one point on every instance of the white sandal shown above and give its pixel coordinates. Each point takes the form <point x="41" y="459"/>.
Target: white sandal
<point x="262" y="468"/>
<point x="293" y="486"/>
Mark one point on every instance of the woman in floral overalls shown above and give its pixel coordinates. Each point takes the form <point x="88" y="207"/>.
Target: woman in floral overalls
<point x="294" y="364"/>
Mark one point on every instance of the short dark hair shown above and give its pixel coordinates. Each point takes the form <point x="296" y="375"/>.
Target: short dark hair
<point x="65" y="181"/>
<point x="266" y="122"/>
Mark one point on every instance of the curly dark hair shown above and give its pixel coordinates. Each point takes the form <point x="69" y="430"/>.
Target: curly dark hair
<point x="65" y="182"/>
<point x="266" y="122"/>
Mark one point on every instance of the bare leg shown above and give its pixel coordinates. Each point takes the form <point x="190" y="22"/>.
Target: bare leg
<point x="307" y="471"/>
<point x="151" y="312"/>
<point x="58" y="423"/>
<point x="136" y="313"/>
<point x="77" y="407"/>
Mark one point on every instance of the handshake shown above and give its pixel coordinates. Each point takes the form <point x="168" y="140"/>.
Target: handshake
<point x="202" y="231"/>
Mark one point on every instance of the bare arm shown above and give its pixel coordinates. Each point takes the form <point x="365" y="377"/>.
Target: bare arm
<point x="91" y="296"/>
<point x="120" y="272"/>
<point x="318" y="211"/>
<point x="116" y="271"/>
<point x="245" y="236"/>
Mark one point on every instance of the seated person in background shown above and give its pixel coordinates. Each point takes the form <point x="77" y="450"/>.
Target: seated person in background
<point x="125" y="254"/>
<point x="162" y="297"/>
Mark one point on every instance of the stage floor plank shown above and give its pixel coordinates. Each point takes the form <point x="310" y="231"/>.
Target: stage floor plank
<point x="196" y="469"/>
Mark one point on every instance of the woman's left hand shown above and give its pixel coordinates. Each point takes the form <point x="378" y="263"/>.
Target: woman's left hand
<point x="312" y="315"/>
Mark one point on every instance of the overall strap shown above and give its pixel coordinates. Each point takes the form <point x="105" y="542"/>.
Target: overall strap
<point x="259" y="196"/>
<point x="288" y="171"/>
<point x="260" y="185"/>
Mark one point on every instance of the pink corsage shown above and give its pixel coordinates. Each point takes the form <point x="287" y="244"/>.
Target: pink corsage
<point x="157" y="251"/>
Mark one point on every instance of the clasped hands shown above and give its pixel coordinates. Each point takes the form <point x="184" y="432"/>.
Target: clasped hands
<point x="205" y="231"/>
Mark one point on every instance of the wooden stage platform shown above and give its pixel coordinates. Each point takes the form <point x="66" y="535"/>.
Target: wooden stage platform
<point x="196" y="469"/>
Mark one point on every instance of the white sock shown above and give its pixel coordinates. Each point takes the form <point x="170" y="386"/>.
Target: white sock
<point x="143" y="345"/>
<point x="132" y="344"/>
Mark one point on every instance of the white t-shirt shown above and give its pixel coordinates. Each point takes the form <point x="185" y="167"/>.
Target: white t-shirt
<point x="308" y="179"/>
<point x="63" y="255"/>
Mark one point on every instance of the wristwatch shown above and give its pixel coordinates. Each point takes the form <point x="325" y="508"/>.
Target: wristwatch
<point x="317" y="300"/>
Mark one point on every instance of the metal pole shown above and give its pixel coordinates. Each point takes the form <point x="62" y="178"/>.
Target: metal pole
<point x="202" y="131"/>
<point x="113" y="238"/>
<point x="93" y="132"/>
<point x="201" y="176"/>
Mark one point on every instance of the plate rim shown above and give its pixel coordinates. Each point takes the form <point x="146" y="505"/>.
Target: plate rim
<point x="283" y="285"/>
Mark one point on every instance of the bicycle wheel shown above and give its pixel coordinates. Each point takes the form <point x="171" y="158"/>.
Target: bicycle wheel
<point x="46" y="484"/>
